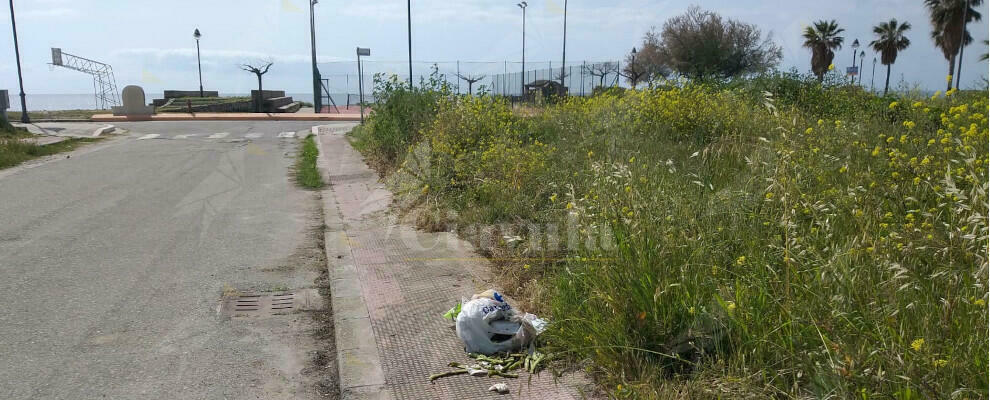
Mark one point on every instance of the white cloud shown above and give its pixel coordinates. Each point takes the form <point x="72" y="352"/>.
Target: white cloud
<point x="58" y="12"/>
<point x="225" y="55"/>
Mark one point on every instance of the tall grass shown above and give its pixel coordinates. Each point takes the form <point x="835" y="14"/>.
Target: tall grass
<point x="307" y="174"/>
<point x="770" y="238"/>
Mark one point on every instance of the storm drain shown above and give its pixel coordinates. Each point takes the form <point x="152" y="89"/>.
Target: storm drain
<point x="268" y="304"/>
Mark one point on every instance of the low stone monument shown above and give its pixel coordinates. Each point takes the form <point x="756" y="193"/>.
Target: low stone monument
<point x="134" y="105"/>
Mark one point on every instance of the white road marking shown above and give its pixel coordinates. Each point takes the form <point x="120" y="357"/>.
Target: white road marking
<point x="287" y="135"/>
<point x="186" y="136"/>
<point x="220" y="135"/>
<point x="254" y="135"/>
<point x="149" y="136"/>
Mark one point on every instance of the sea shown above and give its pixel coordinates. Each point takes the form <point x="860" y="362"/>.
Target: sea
<point x="54" y="102"/>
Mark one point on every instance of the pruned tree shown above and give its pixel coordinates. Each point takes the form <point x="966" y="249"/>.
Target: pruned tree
<point x="649" y="62"/>
<point x="949" y="19"/>
<point x="600" y="71"/>
<point x="890" y="40"/>
<point x="700" y="43"/>
<point x="471" y="79"/>
<point x="258" y="70"/>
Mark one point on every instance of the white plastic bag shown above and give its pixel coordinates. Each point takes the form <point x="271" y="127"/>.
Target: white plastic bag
<point x="486" y="316"/>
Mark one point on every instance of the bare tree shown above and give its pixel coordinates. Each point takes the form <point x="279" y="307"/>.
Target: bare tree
<point x="600" y="71"/>
<point x="259" y="71"/>
<point x="634" y="70"/>
<point x="471" y="79"/>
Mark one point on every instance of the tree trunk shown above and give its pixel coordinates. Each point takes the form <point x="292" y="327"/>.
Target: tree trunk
<point x="261" y="97"/>
<point x="887" y="84"/>
<point x="952" y="64"/>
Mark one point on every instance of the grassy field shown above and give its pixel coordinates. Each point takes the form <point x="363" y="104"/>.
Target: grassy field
<point x="771" y="237"/>
<point x="307" y="175"/>
<point x="58" y="114"/>
<point x="13" y="150"/>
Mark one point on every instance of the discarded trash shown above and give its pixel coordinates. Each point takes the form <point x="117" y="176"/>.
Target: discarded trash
<point x="486" y="366"/>
<point x="487" y="324"/>
<point x="451" y="315"/>
<point x="501" y="388"/>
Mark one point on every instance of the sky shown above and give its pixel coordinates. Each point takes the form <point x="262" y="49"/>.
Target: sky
<point x="150" y="43"/>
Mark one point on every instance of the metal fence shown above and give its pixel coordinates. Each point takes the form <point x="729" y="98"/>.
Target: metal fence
<point x="497" y="78"/>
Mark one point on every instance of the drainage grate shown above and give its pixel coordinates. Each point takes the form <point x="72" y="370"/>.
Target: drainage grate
<point x="267" y="304"/>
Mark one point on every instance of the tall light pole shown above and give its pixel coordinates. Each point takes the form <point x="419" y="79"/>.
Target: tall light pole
<point x="522" y="79"/>
<point x="855" y="47"/>
<point x="17" y="54"/>
<point x="317" y="93"/>
<point x="632" y="67"/>
<point x="409" y="29"/>
<point x="563" y="58"/>
<point x="862" y="57"/>
<point x="873" y="74"/>
<point x="199" y="64"/>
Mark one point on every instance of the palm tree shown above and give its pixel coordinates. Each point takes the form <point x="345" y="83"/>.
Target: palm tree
<point x="822" y="39"/>
<point x="890" y="40"/>
<point x="948" y="27"/>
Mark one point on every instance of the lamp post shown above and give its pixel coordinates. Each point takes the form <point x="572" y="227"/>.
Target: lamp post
<point x="199" y="64"/>
<point x="862" y="57"/>
<point x="522" y="81"/>
<point x="17" y="55"/>
<point x="855" y="46"/>
<point x="317" y="93"/>
<point x="632" y="67"/>
<point x="962" y="41"/>
<point x="563" y="58"/>
<point x="873" y="74"/>
<point x="409" y="29"/>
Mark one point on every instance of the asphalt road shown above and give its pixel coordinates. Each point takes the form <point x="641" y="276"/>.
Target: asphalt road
<point x="113" y="263"/>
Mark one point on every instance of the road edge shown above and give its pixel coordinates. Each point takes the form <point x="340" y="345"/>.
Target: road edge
<point x="359" y="366"/>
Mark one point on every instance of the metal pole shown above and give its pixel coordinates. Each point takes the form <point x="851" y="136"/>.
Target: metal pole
<point x="17" y="54"/>
<point x="409" y="27"/>
<point x="199" y="65"/>
<point x="360" y="87"/>
<point x="563" y="57"/>
<point x="862" y="59"/>
<point x="317" y="92"/>
<point x="962" y="42"/>
<point x="522" y="87"/>
<point x="459" y="77"/>
<point x="874" y="74"/>
<point x="583" y="66"/>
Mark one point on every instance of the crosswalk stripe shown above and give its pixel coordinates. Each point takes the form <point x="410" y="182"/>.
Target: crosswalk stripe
<point x="186" y="136"/>
<point x="287" y="135"/>
<point x="149" y="136"/>
<point x="220" y="135"/>
<point x="254" y="135"/>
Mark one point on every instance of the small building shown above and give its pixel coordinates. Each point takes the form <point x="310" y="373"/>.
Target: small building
<point x="544" y="89"/>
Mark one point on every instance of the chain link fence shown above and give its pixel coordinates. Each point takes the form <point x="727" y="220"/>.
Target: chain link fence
<point x="497" y="78"/>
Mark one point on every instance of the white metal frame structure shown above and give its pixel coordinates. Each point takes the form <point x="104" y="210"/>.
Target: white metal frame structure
<point x="104" y="83"/>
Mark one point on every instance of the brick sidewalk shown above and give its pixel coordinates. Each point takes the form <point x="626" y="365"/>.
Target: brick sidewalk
<point x="391" y="284"/>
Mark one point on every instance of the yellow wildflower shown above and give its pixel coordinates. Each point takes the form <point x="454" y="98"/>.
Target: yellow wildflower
<point x="741" y="260"/>
<point x="892" y="105"/>
<point x="917" y="343"/>
<point x="831" y="67"/>
<point x="948" y="78"/>
<point x="730" y="305"/>
<point x="570" y="205"/>
<point x="808" y="131"/>
<point x="940" y="363"/>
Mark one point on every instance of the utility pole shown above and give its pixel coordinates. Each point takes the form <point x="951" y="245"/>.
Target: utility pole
<point x="17" y="54"/>
<point x="563" y="58"/>
<point x="409" y="28"/>
<point x="522" y="88"/>
<point x="855" y="46"/>
<point x="317" y="87"/>
<point x="962" y="42"/>
<point x="862" y="57"/>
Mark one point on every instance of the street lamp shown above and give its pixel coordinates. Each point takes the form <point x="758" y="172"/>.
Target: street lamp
<point x="317" y="93"/>
<point x="199" y="64"/>
<point x="862" y="57"/>
<point x="409" y="29"/>
<point x="563" y="58"/>
<point x="873" y="74"/>
<point x="632" y="67"/>
<point x="855" y="46"/>
<point x="17" y="55"/>
<point x="523" y="6"/>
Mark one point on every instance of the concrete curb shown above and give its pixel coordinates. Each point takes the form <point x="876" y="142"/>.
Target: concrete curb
<point x="360" y="373"/>
<point x="104" y="130"/>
